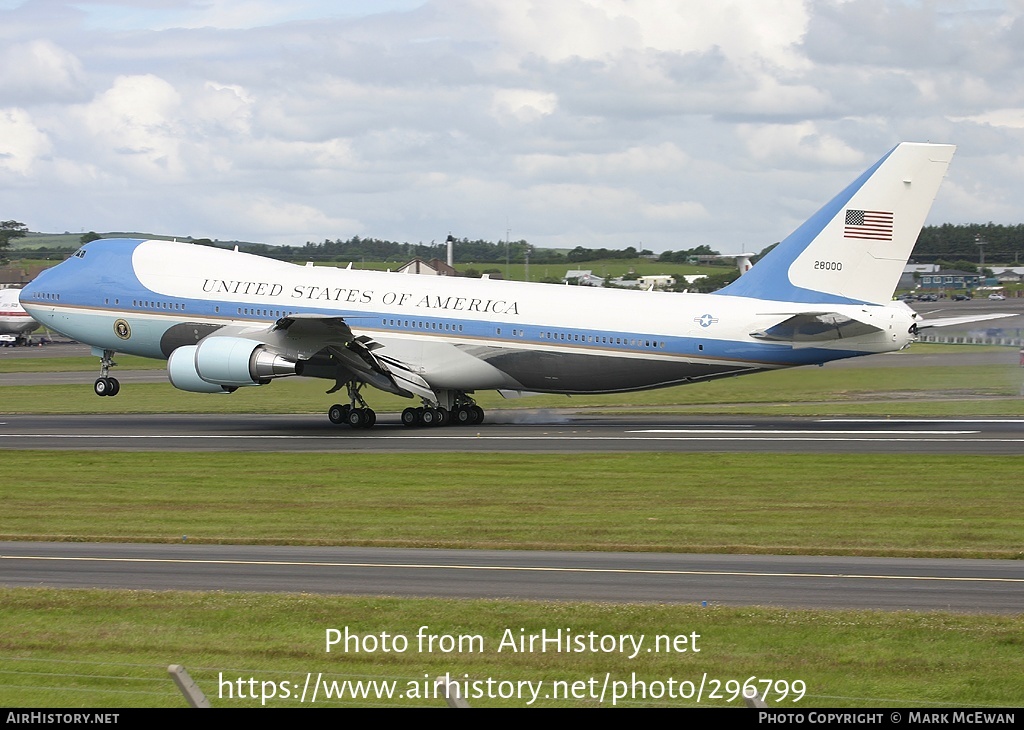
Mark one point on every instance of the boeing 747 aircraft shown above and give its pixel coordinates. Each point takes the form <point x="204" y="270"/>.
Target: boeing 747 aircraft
<point x="15" y="322"/>
<point x="226" y="320"/>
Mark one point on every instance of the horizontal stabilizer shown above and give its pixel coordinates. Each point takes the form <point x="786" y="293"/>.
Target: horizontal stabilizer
<point x="815" y="327"/>
<point x="950" y="321"/>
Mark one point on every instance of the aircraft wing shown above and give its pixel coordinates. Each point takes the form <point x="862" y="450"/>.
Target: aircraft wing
<point x="815" y="327"/>
<point x="332" y="329"/>
<point x="354" y="353"/>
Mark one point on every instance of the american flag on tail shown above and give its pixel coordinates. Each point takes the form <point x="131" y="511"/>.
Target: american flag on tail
<point x="873" y="224"/>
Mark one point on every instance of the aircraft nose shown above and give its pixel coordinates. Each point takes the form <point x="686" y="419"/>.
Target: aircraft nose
<point x="27" y="292"/>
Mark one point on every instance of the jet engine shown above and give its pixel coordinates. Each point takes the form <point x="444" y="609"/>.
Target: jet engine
<point x="223" y="364"/>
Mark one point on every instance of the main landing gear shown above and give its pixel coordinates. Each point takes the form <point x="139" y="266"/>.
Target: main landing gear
<point x="105" y="385"/>
<point x="454" y="408"/>
<point x="356" y="416"/>
<point x="460" y="411"/>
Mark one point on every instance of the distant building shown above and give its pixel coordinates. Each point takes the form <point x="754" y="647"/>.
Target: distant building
<point x="950" y="279"/>
<point x="17" y="277"/>
<point x="434" y="267"/>
<point x="1013" y="275"/>
<point x="655" y="281"/>
<point x="584" y="277"/>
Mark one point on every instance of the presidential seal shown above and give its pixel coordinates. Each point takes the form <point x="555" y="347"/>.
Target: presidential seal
<point x="122" y="329"/>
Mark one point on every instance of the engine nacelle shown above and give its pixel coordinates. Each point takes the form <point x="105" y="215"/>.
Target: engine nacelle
<point x="181" y="370"/>
<point x="222" y="364"/>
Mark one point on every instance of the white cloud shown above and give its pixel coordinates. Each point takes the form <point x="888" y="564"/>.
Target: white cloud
<point x="745" y="30"/>
<point x="635" y="161"/>
<point x="21" y="142"/>
<point x="136" y="126"/>
<point x="611" y="120"/>
<point x="795" y="144"/>
<point x="1012" y="118"/>
<point x="269" y="218"/>
<point x="38" y="71"/>
<point x="524" y="105"/>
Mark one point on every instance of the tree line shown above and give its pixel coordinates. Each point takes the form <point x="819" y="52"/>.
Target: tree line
<point x="1002" y="244"/>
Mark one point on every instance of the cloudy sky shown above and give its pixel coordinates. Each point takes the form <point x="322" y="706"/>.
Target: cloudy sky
<point x="664" y="124"/>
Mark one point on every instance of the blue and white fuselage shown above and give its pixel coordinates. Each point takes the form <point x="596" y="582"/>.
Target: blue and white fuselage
<point x="227" y="319"/>
<point x="457" y="333"/>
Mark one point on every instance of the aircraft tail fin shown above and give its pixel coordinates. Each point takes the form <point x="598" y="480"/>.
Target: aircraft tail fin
<point x="855" y="248"/>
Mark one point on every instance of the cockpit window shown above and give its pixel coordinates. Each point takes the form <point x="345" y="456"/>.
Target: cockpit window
<point x="80" y="253"/>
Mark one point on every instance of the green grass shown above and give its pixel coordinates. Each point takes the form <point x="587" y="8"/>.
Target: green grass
<point x="111" y="649"/>
<point x="938" y="391"/>
<point x="953" y="506"/>
<point x="77" y="364"/>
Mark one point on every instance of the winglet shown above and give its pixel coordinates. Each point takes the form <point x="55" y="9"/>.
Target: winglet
<point x="854" y="249"/>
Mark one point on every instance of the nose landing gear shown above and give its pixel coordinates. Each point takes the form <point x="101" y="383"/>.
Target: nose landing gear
<point x="106" y="385"/>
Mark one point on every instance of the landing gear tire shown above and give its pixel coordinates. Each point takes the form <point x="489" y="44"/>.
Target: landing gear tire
<point x="429" y="417"/>
<point x="410" y="417"/>
<point x="462" y="416"/>
<point x="338" y="413"/>
<point x="443" y="417"/>
<point x="361" y="418"/>
<point x="354" y="418"/>
<point x="478" y="415"/>
<point x="106" y="386"/>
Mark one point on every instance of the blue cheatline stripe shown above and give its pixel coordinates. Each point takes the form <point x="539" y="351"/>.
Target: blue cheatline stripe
<point x="536" y="337"/>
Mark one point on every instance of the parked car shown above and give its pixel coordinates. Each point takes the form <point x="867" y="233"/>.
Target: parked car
<point x="961" y="297"/>
<point x="996" y="297"/>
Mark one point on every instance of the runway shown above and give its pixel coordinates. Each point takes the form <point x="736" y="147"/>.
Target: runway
<point x="989" y="586"/>
<point x="517" y="431"/>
